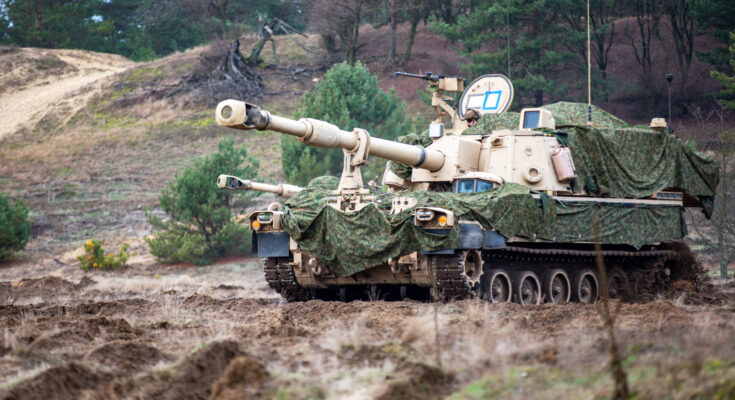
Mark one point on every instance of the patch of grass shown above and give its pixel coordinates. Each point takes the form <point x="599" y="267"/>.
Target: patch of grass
<point x="716" y="380"/>
<point x="48" y="62"/>
<point x="117" y="93"/>
<point x="115" y="196"/>
<point x="108" y="121"/>
<point x="64" y="170"/>
<point x="196" y="120"/>
<point x="530" y="380"/>
<point x="302" y="392"/>
<point x="140" y="75"/>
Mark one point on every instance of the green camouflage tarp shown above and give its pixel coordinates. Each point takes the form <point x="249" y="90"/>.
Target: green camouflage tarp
<point x="635" y="163"/>
<point x="352" y="242"/>
<point x="575" y="114"/>
<point x="612" y="158"/>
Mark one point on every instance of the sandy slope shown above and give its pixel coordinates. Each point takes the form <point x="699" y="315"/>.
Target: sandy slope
<point x="24" y="105"/>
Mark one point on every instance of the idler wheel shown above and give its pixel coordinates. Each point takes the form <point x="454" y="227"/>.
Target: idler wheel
<point x="586" y="287"/>
<point x="557" y="287"/>
<point x="498" y="288"/>
<point x="528" y="288"/>
<point x="618" y="286"/>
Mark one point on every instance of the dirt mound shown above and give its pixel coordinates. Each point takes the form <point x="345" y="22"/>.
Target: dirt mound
<point x="126" y="355"/>
<point x="315" y="311"/>
<point x="244" y="378"/>
<point x="203" y="302"/>
<point x="690" y="280"/>
<point x="46" y="288"/>
<point x="67" y="381"/>
<point x="417" y="381"/>
<point x="194" y="376"/>
<point x="52" y="333"/>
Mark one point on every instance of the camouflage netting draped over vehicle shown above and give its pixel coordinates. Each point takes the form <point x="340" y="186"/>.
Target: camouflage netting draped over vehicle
<point x="635" y="163"/>
<point x="612" y="159"/>
<point x="352" y="242"/>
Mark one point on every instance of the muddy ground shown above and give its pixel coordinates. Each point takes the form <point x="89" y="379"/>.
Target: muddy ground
<point x="183" y="332"/>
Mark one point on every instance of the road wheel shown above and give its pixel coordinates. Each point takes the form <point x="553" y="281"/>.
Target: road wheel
<point x="527" y="288"/>
<point x="497" y="288"/>
<point x="557" y="288"/>
<point x="586" y="287"/>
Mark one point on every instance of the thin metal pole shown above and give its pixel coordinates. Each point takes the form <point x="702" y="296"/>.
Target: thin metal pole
<point x="507" y="27"/>
<point x="669" y="120"/>
<point x="589" y="69"/>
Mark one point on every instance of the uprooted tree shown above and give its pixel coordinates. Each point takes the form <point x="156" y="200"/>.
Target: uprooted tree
<point x="232" y="74"/>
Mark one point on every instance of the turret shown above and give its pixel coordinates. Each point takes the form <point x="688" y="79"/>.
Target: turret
<point x="234" y="183"/>
<point x="522" y="156"/>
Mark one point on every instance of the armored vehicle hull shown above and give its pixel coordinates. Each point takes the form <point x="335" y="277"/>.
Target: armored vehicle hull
<point x="509" y="209"/>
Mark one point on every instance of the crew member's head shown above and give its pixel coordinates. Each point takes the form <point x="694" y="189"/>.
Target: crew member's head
<point x="471" y="116"/>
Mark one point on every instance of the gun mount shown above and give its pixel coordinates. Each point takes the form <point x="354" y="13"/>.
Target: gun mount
<point x="234" y="183"/>
<point x="441" y="102"/>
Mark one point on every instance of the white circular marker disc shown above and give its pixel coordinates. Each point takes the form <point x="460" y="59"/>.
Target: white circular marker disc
<point x="488" y="94"/>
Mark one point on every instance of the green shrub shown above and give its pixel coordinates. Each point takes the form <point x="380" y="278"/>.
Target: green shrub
<point x="199" y="227"/>
<point x="94" y="257"/>
<point x="15" y="227"/>
<point x="348" y="97"/>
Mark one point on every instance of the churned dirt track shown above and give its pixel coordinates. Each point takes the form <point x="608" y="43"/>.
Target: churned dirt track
<point x="36" y="79"/>
<point x="218" y="332"/>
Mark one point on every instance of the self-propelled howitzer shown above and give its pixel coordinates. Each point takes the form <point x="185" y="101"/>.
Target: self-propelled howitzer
<point x="531" y="240"/>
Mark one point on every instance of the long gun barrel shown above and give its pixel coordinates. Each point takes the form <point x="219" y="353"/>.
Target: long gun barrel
<point x="240" y="115"/>
<point x="428" y="76"/>
<point x="234" y="183"/>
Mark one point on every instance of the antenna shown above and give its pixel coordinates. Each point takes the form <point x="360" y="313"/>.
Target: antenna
<point x="669" y="78"/>
<point x="507" y="31"/>
<point x="589" y="69"/>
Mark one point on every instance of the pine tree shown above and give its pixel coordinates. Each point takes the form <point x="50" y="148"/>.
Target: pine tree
<point x="348" y="97"/>
<point x="727" y="96"/>
<point x="199" y="227"/>
<point x="536" y="57"/>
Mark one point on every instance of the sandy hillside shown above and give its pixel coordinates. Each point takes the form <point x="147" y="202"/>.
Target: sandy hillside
<point x="35" y="79"/>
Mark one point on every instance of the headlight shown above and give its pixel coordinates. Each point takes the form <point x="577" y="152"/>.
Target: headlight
<point x="265" y="218"/>
<point x="425" y="215"/>
<point x="443" y="220"/>
<point x="255" y="225"/>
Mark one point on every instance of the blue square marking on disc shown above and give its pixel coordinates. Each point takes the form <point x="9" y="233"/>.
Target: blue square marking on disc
<point x="490" y="98"/>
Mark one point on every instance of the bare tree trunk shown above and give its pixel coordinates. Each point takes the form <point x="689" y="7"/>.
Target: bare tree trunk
<point x="392" y="44"/>
<point x="722" y="219"/>
<point x="355" y="34"/>
<point x="682" y="32"/>
<point x="415" y="18"/>
<point x="648" y="16"/>
<point x="330" y="45"/>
